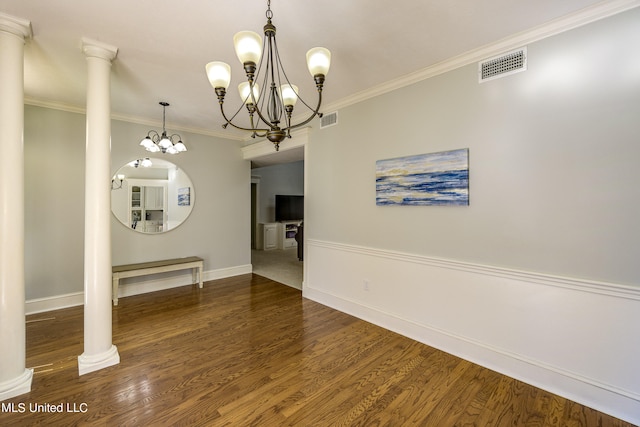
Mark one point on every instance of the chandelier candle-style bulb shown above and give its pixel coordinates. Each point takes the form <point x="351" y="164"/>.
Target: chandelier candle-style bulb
<point x="165" y="142"/>
<point x="318" y="62"/>
<point x="180" y="147"/>
<point x="261" y="61"/>
<point x="245" y="92"/>
<point x="248" y="47"/>
<point x="219" y="74"/>
<point x="289" y="94"/>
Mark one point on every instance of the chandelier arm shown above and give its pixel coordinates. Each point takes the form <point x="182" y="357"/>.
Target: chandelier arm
<point x="284" y="73"/>
<point x="258" y="103"/>
<point x="229" y="122"/>
<point x="314" y="113"/>
<point x="154" y="136"/>
<point x="255" y="131"/>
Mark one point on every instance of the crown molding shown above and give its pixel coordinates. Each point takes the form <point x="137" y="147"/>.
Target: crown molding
<point x="54" y="105"/>
<point x="586" y="16"/>
<point x="601" y="10"/>
<point x="156" y="123"/>
<point x="72" y="108"/>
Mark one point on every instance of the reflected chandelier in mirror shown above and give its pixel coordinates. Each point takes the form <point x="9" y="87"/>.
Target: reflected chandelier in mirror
<point x="151" y="195"/>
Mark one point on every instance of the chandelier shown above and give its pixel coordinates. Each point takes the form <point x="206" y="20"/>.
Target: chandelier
<point x="279" y="96"/>
<point x="145" y="163"/>
<point x="155" y="142"/>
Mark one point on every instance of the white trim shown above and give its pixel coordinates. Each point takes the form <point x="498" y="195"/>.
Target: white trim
<point x="603" y="288"/>
<point x="594" y="13"/>
<point x="586" y="16"/>
<point x="602" y="397"/>
<point x="434" y="301"/>
<point x="222" y="273"/>
<point x="78" y="109"/>
<point x="17" y="386"/>
<point x="57" y="302"/>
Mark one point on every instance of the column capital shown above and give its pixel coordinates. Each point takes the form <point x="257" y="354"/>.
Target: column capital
<point x="16" y="26"/>
<point x="96" y="49"/>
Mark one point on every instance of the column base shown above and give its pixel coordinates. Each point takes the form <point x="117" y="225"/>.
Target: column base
<point x="96" y="362"/>
<point x="17" y="386"/>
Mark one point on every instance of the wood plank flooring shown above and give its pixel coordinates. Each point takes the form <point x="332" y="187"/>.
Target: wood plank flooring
<point x="247" y="351"/>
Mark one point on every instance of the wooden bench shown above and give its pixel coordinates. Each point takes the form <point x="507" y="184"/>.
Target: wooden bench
<point x="144" y="268"/>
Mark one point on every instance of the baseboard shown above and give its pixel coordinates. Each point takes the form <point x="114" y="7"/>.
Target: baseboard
<point x="41" y="305"/>
<point x="152" y="284"/>
<point x="16" y="386"/>
<point x="487" y="315"/>
<point x="221" y="273"/>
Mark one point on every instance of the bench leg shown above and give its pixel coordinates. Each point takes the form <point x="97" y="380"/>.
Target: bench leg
<point x="116" y="282"/>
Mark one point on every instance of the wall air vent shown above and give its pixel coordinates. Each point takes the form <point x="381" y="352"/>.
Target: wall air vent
<point x="329" y="119"/>
<point x="503" y="65"/>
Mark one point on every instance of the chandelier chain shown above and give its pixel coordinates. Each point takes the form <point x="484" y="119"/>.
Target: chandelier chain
<point x="269" y="13"/>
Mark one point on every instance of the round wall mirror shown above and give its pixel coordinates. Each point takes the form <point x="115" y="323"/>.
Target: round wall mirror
<point x="151" y="195"/>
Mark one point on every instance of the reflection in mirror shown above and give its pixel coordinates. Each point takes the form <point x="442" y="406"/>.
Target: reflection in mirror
<point x="151" y="195"/>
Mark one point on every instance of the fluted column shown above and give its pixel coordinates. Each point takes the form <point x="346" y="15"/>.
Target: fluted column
<point x="99" y="351"/>
<point x="15" y="379"/>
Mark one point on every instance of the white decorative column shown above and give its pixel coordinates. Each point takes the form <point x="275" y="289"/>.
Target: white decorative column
<point x="99" y="352"/>
<point x="15" y="379"/>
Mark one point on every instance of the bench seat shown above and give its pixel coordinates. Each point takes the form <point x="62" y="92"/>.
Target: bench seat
<point x="152" y="267"/>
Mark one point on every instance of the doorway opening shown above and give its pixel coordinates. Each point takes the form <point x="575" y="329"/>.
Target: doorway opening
<point x="275" y="241"/>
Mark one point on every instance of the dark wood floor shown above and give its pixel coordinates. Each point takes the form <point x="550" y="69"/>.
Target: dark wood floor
<point x="249" y="351"/>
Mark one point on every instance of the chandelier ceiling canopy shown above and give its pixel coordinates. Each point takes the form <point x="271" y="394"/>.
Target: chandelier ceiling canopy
<point x="155" y="142"/>
<point x="275" y="96"/>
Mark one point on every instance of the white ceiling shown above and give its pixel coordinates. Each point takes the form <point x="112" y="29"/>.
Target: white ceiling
<point x="163" y="46"/>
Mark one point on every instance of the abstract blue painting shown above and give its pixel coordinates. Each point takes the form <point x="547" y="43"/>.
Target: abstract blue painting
<point x="184" y="196"/>
<point x="426" y="179"/>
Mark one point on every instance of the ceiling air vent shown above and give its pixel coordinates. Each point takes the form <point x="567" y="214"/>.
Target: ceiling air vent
<point x="329" y="119"/>
<point x="503" y="65"/>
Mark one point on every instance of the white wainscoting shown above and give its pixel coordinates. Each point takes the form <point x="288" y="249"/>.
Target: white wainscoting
<point x="576" y="338"/>
<point x="134" y="286"/>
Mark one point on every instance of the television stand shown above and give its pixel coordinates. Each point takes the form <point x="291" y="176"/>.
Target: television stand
<point x="287" y="231"/>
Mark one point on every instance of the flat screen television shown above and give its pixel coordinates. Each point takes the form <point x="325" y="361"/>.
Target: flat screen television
<point x="289" y="208"/>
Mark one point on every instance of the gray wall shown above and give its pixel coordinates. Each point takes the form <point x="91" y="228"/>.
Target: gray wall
<point x="553" y="161"/>
<point x="287" y="179"/>
<point x="54" y="145"/>
<point x="545" y="257"/>
<point x="217" y="229"/>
